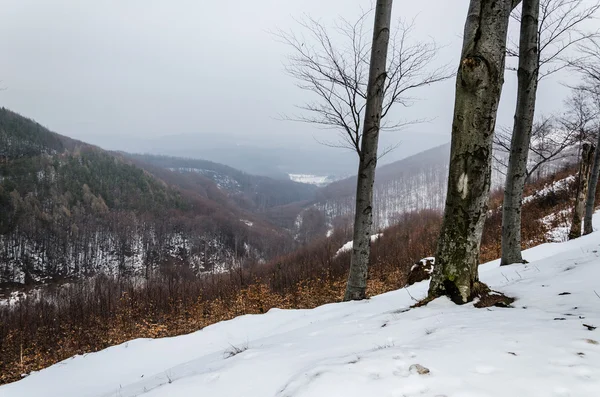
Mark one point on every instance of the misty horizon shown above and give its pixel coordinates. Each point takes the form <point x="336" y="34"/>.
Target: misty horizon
<point x="188" y="79"/>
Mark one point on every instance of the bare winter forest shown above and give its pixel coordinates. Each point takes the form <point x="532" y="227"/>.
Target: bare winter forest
<point x="99" y="247"/>
<point x="115" y="290"/>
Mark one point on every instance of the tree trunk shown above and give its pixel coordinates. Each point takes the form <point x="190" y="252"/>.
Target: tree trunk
<point x="590" y="202"/>
<point x="519" y="148"/>
<point x="478" y="87"/>
<point x="587" y="154"/>
<point x="363" y="217"/>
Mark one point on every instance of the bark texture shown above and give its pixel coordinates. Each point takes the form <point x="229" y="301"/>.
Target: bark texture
<point x="363" y="217"/>
<point x="587" y="154"/>
<point x="590" y="202"/>
<point x="478" y="87"/>
<point x="516" y="176"/>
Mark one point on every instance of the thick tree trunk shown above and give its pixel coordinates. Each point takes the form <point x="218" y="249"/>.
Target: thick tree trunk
<point x="587" y="154"/>
<point x="478" y="87"/>
<point x="590" y="202"/>
<point x="519" y="148"/>
<point x="363" y="218"/>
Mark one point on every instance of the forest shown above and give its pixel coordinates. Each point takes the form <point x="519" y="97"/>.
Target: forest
<point x="70" y="210"/>
<point x="98" y="248"/>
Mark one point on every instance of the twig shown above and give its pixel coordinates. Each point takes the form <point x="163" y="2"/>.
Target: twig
<point x="411" y="297"/>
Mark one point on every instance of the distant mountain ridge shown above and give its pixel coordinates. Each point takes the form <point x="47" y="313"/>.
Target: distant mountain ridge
<point x="252" y="192"/>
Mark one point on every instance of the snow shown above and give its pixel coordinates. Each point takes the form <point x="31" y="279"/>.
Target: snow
<point x="561" y="184"/>
<point x="539" y="348"/>
<point x="428" y="259"/>
<point x="348" y="246"/>
<point x="103" y="257"/>
<point x="423" y="262"/>
<point x="559" y="233"/>
<point x="312" y="179"/>
<point x="223" y="182"/>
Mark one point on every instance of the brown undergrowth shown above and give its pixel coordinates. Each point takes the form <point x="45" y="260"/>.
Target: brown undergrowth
<point x="90" y="316"/>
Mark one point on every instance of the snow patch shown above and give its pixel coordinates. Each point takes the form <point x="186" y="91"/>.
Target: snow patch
<point x="312" y="179"/>
<point x="348" y="246"/>
<point x="561" y="184"/>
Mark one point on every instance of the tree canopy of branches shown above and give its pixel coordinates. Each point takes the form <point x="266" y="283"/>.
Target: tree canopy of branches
<point x="333" y="64"/>
<point x="549" y="143"/>
<point x="559" y="30"/>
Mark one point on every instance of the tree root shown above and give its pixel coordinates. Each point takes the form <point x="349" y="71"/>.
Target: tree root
<point x="482" y="295"/>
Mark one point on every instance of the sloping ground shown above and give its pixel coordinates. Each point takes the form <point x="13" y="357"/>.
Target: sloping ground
<point x="541" y="347"/>
<point x="415" y="183"/>
<point x="69" y="210"/>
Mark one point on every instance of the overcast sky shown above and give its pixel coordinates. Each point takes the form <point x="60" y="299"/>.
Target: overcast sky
<point x="122" y="73"/>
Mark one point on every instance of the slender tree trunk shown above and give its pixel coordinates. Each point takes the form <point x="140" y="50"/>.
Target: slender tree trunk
<point x="587" y="154"/>
<point x="478" y="87"/>
<point x="590" y="202"/>
<point x="519" y="148"/>
<point x="363" y="217"/>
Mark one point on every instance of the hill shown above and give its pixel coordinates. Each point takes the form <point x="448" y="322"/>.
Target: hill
<point x="46" y="324"/>
<point x="415" y="183"/>
<point x="69" y="209"/>
<point x="545" y="345"/>
<point x="251" y="192"/>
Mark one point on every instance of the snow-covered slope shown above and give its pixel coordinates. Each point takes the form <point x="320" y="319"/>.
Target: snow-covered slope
<point x="411" y="184"/>
<point x="541" y="347"/>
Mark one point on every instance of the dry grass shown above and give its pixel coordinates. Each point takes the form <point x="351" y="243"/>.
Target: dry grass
<point x="93" y="316"/>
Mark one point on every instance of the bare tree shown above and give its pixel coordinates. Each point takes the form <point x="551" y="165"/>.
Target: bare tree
<point x="589" y="67"/>
<point x="579" y="117"/>
<point x="337" y="67"/>
<point x="559" y="30"/>
<point x="585" y="165"/>
<point x="590" y="202"/>
<point x="478" y="87"/>
<point x="333" y="64"/>
<point x="528" y="74"/>
<point x="356" y="288"/>
<point x="548" y="29"/>
<point x="548" y="145"/>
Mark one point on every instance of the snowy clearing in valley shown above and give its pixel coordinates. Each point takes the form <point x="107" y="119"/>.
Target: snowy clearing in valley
<point x="545" y="346"/>
<point x="312" y="179"/>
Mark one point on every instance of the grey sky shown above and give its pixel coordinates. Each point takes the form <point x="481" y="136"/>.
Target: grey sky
<point x="126" y="73"/>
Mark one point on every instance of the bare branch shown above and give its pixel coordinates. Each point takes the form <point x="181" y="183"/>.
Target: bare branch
<point x="588" y="65"/>
<point x="559" y="31"/>
<point x="550" y="142"/>
<point x="337" y="74"/>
